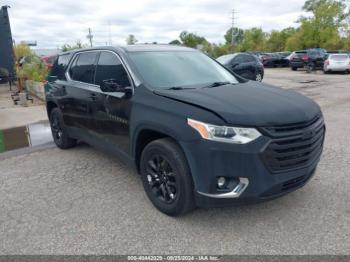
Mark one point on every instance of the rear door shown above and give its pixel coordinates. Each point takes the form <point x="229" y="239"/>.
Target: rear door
<point x="80" y="91"/>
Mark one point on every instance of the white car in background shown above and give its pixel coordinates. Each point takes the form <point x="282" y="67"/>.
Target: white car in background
<point x="337" y="63"/>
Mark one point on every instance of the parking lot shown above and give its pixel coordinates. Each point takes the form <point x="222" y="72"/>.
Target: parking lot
<point x="83" y="201"/>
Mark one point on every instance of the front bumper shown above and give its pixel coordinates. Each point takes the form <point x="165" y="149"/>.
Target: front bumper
<point x="209" y="160"/>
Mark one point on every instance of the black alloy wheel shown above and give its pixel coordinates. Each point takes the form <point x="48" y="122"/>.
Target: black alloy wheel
<point x="166" y="177"/>
<point x="161" y="179"/>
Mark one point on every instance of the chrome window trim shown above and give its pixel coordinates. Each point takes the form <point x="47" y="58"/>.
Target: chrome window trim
<point x="131" y="80"/>
<point x="70" y="65"/>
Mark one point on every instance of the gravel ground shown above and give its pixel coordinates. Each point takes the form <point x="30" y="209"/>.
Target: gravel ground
<point x="83" y="201"/>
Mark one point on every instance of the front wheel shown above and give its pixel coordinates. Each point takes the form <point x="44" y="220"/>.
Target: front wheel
<point x="166" y="177"/>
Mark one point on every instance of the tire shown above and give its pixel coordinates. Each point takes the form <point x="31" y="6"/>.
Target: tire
<point x="166" y="177"/>
<point x="259" y="77"/>
<point x="59" y="131"/>
<point x="294" y="68"/>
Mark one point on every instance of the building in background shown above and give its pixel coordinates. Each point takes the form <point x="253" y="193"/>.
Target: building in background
<point x="7" y="61"/>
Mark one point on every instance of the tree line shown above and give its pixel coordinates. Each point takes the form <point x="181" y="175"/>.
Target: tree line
<point x="327" y="26"/>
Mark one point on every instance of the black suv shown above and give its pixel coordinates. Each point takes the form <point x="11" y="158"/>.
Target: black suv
<point x="310" y="59"/>
<point x="197" y="134"/>
<point x="244" y="65"/>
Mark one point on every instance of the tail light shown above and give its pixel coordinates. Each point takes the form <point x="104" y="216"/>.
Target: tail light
<point x="305" y="57"/>
<point x="326" y="62"/>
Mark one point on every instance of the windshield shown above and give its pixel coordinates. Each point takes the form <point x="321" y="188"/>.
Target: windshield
<point x="186" y="69"/>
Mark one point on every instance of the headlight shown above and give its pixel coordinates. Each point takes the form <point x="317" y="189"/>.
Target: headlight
<point x="235" y="135"/>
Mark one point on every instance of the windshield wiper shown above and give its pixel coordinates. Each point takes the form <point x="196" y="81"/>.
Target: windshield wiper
<point x="216" y="84"/>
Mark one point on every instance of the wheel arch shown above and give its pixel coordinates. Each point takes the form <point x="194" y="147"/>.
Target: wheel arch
<point x="145" y="135"/>
<point x="49" y="106"/>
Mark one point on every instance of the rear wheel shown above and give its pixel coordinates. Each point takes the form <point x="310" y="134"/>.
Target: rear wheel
<point x="166" y="177"/>
<point x="258" y="77"/>
<point x="294" y="68"/>
<point x="59" y="132"/>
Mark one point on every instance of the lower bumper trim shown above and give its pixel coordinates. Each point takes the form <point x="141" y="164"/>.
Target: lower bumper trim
<point x="235" y="193"/>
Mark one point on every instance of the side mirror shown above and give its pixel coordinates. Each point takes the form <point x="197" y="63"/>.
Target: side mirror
<point x="111" y="85"/>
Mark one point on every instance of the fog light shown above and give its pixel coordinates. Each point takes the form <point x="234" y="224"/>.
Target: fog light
<point x="221" y="182"/>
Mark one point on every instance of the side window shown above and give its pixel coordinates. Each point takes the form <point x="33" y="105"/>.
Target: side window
<point x="60" y="66"/>
<point x="249" y="58"/>
<point x="109" y="67"/>
<point x="83" y="68"/>
<point x="238" y="59"/>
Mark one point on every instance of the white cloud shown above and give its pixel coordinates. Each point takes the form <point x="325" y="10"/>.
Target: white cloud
<point x="53" y="23"/>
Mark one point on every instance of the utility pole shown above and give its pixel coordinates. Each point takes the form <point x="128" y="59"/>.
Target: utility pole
<point x="109" y="33"/>
<point x="90" y="37"/>
<point x="233" y="23"/>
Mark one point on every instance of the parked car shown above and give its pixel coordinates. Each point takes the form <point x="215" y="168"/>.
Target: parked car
<point x="49" y="60"/>
<point x="199" y="135"/>
<point x="312" y="59"/>
<point x="243" y="64"/>
<point x="337" y="63"/>
<point x="274" y="60"/>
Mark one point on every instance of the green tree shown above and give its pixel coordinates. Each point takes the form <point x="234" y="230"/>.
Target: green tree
<point x="22" y="50"/>
<point x="175" y="42"/>
<point x="238" y="35"/>
<point x="131" y="40"/>
<point x="77" y="45"/>
<point x="277" y="40"/>
<point x="322" y="28"/>
<point x="254" y="40"/>
<point x="191" y="39"/>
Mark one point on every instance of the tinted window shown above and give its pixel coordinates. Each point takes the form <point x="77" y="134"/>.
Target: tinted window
<point x="83" y="68"/>
<point x="109" y="67"/>
<point x="225" y="59"/>
<point x="239" y="59"/>
<point x="339" y="57"/>
<point x="60" y="66"/>
<point x="250" y="58"/>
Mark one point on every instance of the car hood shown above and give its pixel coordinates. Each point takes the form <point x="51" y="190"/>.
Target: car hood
<point x="249" y="104"/>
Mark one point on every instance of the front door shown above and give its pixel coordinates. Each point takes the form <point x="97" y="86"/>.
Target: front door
<point x="111" y="110"/>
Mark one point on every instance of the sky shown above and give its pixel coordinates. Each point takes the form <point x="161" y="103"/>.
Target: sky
<point x="57" y="22"/>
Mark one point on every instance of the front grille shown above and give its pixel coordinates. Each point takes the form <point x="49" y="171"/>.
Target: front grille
<point x="294" y="146"/>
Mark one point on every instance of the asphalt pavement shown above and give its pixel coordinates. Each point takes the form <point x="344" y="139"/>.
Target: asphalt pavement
<point x="84" y="201"/>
